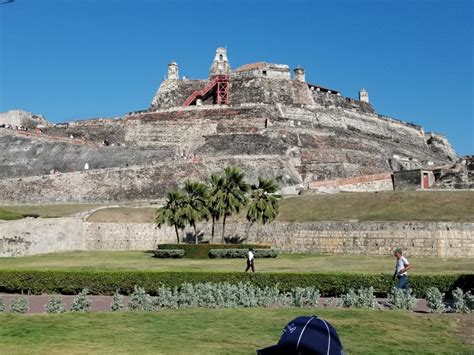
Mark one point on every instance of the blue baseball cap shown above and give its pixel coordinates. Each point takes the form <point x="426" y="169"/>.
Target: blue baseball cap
<point x="306" y="336"/>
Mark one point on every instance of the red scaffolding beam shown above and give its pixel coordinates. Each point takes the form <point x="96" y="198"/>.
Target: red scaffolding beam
<point x="218" y="87"/>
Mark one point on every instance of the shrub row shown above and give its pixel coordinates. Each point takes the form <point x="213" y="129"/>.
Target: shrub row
<point x="242" y="253"/>
<point x="201" y="251"/>
<point x="105" y="282"/>
<point x="168" y="253"/>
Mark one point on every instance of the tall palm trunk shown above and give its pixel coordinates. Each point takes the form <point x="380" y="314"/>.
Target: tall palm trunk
<point x="223" y="228"/>
<point x="177" y="234"/>
<point x="195" y="232"/>
<point x="212" y="230"/>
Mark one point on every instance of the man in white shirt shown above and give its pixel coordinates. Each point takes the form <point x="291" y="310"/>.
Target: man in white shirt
<point x="401" y="268"/>
<point x="250" y="258"/>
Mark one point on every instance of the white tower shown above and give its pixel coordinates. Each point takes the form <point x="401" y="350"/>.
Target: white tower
<point x="220" y="65"/>
<point x="364" y="96"/>
<point x="299" y="74"/>
<point x="173" y="71"/>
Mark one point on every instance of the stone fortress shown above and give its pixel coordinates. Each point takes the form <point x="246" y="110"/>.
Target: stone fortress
<point x="306" y="136"/>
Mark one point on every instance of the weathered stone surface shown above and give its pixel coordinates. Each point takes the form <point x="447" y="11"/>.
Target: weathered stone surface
<point x="37" y="236"/>
<point x="17" y="118"/>
<point x="297" y="132"/>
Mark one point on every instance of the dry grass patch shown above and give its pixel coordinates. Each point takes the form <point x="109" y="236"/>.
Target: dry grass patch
<point x="448" y="206"/>
<point x="51" y="211"/>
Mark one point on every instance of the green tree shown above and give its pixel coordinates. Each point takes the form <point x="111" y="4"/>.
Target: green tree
<point x="195" y="203"/>
<point x="172" y="212"/>
<point x="213" y="201"/>
<point x="264" y="202"/>
<point x="232" y="194"/>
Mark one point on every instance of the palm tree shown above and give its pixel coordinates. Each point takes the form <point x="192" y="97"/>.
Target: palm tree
<point x="195" y="203"/>
<point x="264" y="202"/>
<point x="172" y="212"/>
<point x="231" y="196"/>
<point x="213" y="202"/>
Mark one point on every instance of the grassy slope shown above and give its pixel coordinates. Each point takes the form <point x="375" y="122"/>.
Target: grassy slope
<point x="50" y="211"/>
<point x="383" y="206"/>
<point x="283" y="263"/>
<point x="223" y="331"/>
<point x="9" y="215"/>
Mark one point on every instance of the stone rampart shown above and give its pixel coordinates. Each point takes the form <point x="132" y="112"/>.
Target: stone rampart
<point x="442" y="239"/>
<point x="377" y="182"/>
<point x="134" y="182"/>
<point x="39" y="236"/>
<point x="16" y="118"/>
<point x="33" y="155"/>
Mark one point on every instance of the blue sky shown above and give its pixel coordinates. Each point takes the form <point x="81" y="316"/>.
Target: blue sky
<point x="78" y="59"/>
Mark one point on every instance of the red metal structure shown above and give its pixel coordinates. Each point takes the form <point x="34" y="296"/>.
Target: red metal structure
<point x="218" y="87"/>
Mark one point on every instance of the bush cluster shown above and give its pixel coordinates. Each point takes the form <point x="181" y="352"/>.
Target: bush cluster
<point x="463" y="302"/>
<point x="242" y="253"/>
<point x="201" y="251"/>
<point x="243" y="294"/>
<point x="168" y="253"/>
<point x="105" y="282"/>
<point x="55" y="305"/>
<point x="402" y="299"/>
<point x="19" y="305"/>
<point x="435" y="300"/>
<point x="363" y="298"/>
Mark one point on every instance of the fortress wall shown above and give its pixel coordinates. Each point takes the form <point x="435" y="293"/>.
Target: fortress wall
<point x="431" y="239"/>
<point x="183" y="135"/>
<point x="370" y="238"/>
<point x="331" y="100"/>
<point x="24" y="156"/>
<point x="95" y="131"/>
<point x="125" y="236"/>
<point x="173" y="93"/>
<point x="39" y="236"/>
<point x="270" y="91"/>
<point x="376" y="182"/>
<point x="103" y="185"/>
<point x="21" y="118"/>
<point x="135" y="182"/>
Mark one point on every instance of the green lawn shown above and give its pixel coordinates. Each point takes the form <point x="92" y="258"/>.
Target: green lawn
<point x="381" y="206"/>
<point x="283" y="263"/>
<point x="49" y="211"/>
<point x="449" y="206"/>
<point x="9" y="215"/>
<point x="227" y="331"/>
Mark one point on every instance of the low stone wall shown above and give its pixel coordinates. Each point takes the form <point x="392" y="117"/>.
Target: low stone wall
<point x="370" y="238"/>
<point x="38" y="236"/>
<point x="377" y="182"/>
<point x="125" y="236"/>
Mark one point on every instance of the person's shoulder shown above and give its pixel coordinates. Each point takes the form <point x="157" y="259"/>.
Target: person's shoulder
<point x="404" y="259"/>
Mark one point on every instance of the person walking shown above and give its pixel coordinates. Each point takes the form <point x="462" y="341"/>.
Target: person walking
<point x="401" y="268"/>
<point x="250" y="257"/>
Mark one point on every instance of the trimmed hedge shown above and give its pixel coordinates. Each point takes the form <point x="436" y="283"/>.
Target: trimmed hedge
<point x="102" y="282"/>
<point x="242" y="253"/>
<point x="201" y="251"/>
<point x="168" y="253"/>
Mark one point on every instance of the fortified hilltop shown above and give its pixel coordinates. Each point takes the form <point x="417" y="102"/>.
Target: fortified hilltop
<point x="261" y="116"/>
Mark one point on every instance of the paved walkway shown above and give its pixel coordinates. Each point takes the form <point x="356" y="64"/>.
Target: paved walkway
<point x="102" y="303"/>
